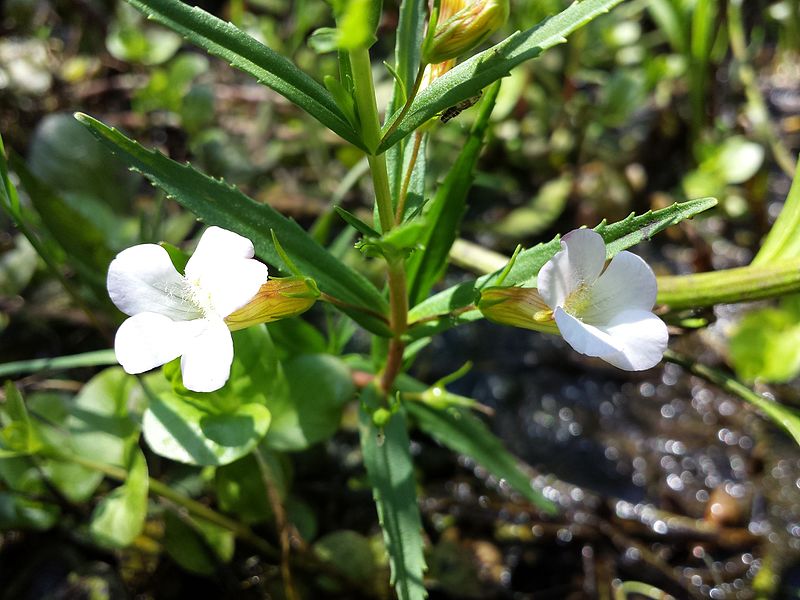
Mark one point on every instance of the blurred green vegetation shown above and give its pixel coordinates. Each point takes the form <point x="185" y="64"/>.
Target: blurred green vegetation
<point x="659" y="101"/>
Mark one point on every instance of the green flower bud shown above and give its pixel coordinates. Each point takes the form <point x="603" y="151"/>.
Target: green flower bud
<point x="462" y="25"/>
<point x="278" y="298"/>
<point x="518" y="307"/>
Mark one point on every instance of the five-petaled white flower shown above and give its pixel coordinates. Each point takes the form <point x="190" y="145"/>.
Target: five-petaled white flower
<point x="174" y="315"/>
<point x="604" y="313"/>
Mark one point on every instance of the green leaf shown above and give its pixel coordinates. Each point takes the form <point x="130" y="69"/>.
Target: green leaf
<point x="119" y="517"/>
<point x="357" y="23"/>
<point x="539" y="213"/>
<point x="233" y="45"/>
<point x="296" y="336"/>
<point x="618" y="236"/>
<point x="99" y="421"/>
<point x="319" y="387"/>
<point x="471" y="76"/>
<point x="177" y="429"/>
<point x="408" y="51"/>
<point x="17" y="267"/>
<point x="131" y="39"/>
<point x="18" y="512"/>
<point x="353" y="555"/>
<point x="408" y="47"/>
<point x="70" y="161"/>
<point x="197" y="545"/>
<point x="220" y="204"/>
<point x="19" y="434"/>
<point x="765" y="344"/>
<point x="356" y="223"/>
<point x="391" y="473"/>
<point x="240" y="487"/>
<point x="444" y="212"/>
<point x="783" y="240"/>
<point x="84" y="245"/>
<point x="465" y="433"/>
<point x="219" y="427"/>
<point x="735" y="160"/>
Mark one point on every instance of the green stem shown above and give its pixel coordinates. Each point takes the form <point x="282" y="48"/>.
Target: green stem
<point x="742" y="284"/>
<point x="398" y="290"/>
<point x="398" y="322"/>
<point x="364" y="92"/>
<point x="281" y="522"/>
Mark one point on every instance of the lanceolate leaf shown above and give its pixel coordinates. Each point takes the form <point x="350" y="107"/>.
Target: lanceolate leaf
<point x="391" y="472"/>
<point x="408" y="49"/>
<point x="468" y="78"/>
<point x="443" y="218"/>
<point x="465" y="433"/>
<point x="220" y="204"/>
<point x="783" y="240"/>
<point x="618" y="236"/>
<point x="233" y="45"/>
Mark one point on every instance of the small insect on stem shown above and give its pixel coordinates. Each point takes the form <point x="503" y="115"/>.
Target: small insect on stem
<point x="454" y="111"/>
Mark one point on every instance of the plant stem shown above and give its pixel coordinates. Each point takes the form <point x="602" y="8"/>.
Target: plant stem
<point x="398" y="291"/>
<point x="281" y="523"/>
<point x="398" y="322"/>
<point x="742" y="284"/>
<point x="364" y="91"/>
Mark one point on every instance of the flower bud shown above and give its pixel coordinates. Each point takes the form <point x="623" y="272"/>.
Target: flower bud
<point x="277" y="299"/>
<point x="462" y="25"/>
<point x="518" y="307"/>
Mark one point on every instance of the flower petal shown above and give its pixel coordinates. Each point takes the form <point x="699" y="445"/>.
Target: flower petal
<point x="627" y="283"/>
<point x="142" y="279"/>
<point x="580" y="261"/>
<point x="215" y="245"/>
<point x="224" y="272"/>
<point x="634" y="340"/>
<point x="148" y="340"/>
<point x="642" y="336"/>
<point x="206" y="362"/>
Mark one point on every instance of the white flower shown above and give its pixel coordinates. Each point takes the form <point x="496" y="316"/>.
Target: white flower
<point x="607" y="314"/>
<point x="173" y="315"/>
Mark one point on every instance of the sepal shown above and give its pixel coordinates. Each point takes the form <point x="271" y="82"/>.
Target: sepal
<point x="278" y="298"/>
<point x="518" y="307"/>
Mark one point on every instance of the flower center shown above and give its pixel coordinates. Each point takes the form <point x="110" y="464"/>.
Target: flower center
<point x="200" y="297"/>
<point x="578" y="301"/>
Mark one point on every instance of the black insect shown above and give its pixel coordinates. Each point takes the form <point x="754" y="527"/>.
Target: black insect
<point x="454" y="111"/>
